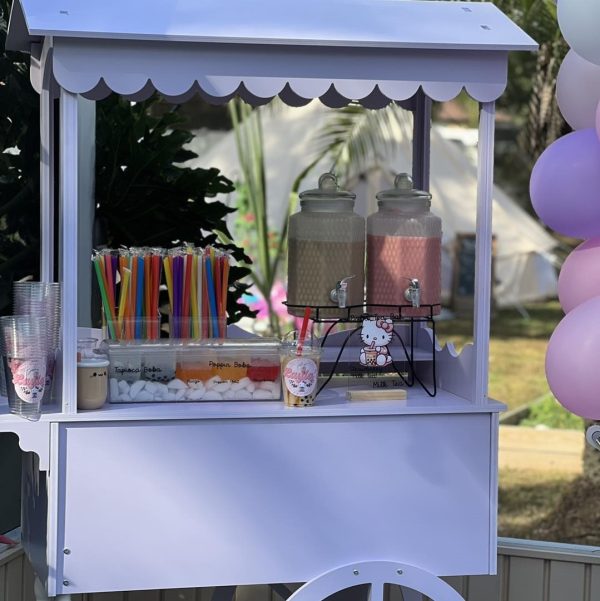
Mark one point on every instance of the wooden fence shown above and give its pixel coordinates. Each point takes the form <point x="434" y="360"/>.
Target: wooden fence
<point x="528" y="571"/>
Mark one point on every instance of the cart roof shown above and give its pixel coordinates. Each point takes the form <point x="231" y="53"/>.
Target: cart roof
<point x="308" y="47"/>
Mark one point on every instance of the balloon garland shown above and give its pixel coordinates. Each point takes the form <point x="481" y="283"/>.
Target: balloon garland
<point x="565" y="193"/>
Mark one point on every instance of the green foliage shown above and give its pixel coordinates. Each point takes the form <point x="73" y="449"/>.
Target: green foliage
<point x="269" y="245"/>
<point x="548" y="412"/>
<point x="19" y="171"/>
<point x="146" y="198"/>
<point x="354" y="138"/>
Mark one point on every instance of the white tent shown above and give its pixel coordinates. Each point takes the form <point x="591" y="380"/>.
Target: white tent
<point x="525" y="269"/>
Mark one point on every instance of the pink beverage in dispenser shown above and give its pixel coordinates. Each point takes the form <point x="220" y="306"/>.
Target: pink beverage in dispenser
<point x="404" y="246"/>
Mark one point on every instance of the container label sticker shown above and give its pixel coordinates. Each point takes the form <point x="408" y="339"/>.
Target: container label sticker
<point x="300" y="376"/>
<point x="29" y="378"/>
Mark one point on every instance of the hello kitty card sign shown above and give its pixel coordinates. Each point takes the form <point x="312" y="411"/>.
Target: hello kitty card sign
<point x="376" y="334"/>
<point x="29" y="378"/>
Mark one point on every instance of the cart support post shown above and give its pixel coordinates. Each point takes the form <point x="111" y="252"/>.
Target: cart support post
<point x="483" y="251"/>
<point x="69" y="170"/>
<point x="421" y="140"/>
<point x="46" y="183"/>
<point x="86" y="136"/>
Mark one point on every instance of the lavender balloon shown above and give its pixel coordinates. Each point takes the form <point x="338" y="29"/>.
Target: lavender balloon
<point x="579" y="278"/>
<point x="565" y="185"/>
<point x="572" y="360"/>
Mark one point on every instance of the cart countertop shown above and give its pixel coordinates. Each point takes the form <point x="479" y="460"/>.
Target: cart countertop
<point x="331" y="403"/>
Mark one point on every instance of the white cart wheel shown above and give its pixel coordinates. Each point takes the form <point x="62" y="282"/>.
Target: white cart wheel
<point x="376" y="574"/>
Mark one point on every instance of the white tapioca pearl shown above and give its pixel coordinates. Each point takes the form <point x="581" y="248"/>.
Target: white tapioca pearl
<point x="176" y="384"/>
<point x="243" y="383"/>
<point x="136" y="388"/>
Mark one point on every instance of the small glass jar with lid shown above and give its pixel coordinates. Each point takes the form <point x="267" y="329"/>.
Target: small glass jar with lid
<point x="404" y="246"/>
<point x="326" y="251"/>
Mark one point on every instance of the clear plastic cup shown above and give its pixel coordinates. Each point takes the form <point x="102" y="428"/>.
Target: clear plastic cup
<point x="196" y="328"/>
<point x="41" y="299"/>
<point x="20" y="334"/>
<point x="26" y="336"/>
<point x="25" y="379"/>
<point x="300" y="370"/>
<point x="131" y="328"/>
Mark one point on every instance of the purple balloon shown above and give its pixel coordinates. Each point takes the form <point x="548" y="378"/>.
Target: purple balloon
<point x="572" y="360"/>
<point x="565" y="185"/>
<point x="579" y="278"/>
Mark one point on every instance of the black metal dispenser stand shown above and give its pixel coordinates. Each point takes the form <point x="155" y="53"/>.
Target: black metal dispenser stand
<point x="355" y="314"/>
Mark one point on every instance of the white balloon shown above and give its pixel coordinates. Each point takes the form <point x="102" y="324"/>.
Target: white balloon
<point x="579" y="21"/>
<point x="578" y="90"/>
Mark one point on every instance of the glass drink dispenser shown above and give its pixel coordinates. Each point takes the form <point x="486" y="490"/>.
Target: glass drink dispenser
<point x="326" y="251"/>
<point x="404" y="246"/>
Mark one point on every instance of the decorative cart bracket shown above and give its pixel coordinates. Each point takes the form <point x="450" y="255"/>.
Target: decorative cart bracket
<point x="398" y="315"/>
<point x="33" y="436"/>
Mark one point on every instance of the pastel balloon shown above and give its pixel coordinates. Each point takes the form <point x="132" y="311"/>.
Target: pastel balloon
<point x="565" y="185"/>
<point x="598" y="121"/>
<point x="578" y="91"/>
<point x="578" y="20"/>
<point x="579" y="278"/>
<point x="572" y="360"/>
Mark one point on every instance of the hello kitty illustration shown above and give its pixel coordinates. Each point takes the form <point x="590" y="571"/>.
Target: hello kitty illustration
<point x="29" y="378"/>
<point x="376" y="333"/>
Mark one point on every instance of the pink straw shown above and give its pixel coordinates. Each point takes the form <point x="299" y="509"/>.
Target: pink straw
<point x="303" y="331"/>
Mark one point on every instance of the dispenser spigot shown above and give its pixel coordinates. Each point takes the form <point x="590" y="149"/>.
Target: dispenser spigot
<point x="413" y="293"/>
<point x="339" y="294"/>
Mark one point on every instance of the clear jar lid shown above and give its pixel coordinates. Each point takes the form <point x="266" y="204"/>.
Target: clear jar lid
<point x="328" y="196"/>
<point x="404" y="194"/>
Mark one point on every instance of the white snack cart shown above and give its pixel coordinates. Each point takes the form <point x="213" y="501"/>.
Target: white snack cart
<point x="335" y="495"/>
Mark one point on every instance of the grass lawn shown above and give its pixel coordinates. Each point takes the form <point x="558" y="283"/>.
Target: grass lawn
<point x="517" y="350"/>
<point x="527" y="499"/>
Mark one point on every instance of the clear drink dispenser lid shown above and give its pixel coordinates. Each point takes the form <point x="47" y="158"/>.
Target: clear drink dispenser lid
<point x="404" y="191"/>
<point x="328" y="196"/>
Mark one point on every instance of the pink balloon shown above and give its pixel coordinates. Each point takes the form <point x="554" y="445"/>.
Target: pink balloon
<point x="598" y="120"/>
<point x="579" y="278"/>
<point x="565" y="185"/>
<point x="572" y="360"/>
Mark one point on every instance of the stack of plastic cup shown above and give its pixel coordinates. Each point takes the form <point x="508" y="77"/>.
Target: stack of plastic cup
<point x="42" y="299"/>
<point x="24" y="350"/>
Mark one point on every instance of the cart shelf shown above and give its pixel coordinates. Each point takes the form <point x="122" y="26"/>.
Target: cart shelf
<point x="332" y="403"/>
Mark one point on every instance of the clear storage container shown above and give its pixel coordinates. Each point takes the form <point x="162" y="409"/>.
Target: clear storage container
<point x="404" y="246"/>
<point x="211" y="370"/>
<point x="326" y="251"/>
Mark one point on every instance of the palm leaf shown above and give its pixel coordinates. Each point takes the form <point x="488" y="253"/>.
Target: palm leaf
<point x="355" y="138"/>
